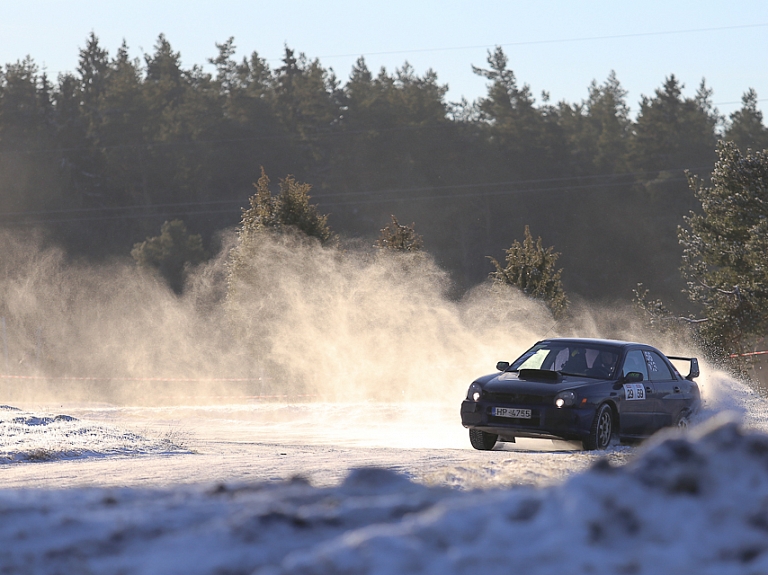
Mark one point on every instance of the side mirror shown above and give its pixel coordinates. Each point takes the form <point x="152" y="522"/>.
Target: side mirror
<point x="633" y="377"/>
<point x="694" y="369"/>
<point x="502" y="365"/>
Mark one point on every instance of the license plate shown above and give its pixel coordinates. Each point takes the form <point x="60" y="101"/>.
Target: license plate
<point x="512" y="412"/>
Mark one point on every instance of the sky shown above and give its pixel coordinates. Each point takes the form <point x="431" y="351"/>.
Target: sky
<point x="556" y="46"/>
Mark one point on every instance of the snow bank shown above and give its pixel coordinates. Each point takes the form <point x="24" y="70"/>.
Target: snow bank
<point x="690" y="504"/>
<point x="696" y="504"/>
<point x="27" y="436"/>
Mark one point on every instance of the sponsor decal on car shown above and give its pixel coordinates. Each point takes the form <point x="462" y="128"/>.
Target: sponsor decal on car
<point x="650" y="361"/>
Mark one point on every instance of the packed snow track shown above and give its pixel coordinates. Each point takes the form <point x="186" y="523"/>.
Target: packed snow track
<point x="358" y="488"/>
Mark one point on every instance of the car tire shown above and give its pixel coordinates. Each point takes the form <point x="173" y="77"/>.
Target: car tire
<point x="602" y="429"/>
<point x="482" y="440"/>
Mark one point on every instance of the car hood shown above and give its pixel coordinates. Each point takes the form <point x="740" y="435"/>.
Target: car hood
<point x="509" y="382"/>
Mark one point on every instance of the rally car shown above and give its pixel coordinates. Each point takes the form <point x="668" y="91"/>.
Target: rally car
<point x="587" y="390"/>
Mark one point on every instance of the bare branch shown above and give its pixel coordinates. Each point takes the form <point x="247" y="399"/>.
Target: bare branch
<point x="685" y="319"/>
<point x="735" y="291"/>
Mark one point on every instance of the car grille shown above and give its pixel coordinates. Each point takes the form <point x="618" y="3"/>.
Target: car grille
<point x="519" y="398"/>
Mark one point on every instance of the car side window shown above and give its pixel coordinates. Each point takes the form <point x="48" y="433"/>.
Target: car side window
<point x="657" y="367"/>
<point x="560" y="359"/>
<point x="635" y="362"/>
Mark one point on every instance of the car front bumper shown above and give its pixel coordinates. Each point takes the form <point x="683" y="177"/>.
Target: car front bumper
<point x="546" y="422"/>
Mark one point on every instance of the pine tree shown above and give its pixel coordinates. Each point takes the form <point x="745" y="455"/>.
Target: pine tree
<point x="287" y="213"/>
<point x="608" y="115"/>
<point x="515" y="125"/>
<point x="725" y="257"/>
<point x="746" y="128"/>
<point x="28" y="163"/>
<point x="308" y="104"/>
<point x="289" y="210"/>
<point x="531" y="268"/>
<point x="399" y="238"/>
<point x="673" y="132"/>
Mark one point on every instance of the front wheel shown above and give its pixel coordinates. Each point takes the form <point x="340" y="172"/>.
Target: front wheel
<point x="482" y="440"/>
<point x="602" y="429"/>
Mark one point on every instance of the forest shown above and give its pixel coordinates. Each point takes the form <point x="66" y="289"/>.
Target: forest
<point x="100" y="157"/>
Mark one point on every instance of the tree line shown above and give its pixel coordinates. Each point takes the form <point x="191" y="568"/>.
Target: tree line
<point x="102" y="156"/>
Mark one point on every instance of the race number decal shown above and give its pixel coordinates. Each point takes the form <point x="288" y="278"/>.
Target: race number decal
<point x="634" y="391"/>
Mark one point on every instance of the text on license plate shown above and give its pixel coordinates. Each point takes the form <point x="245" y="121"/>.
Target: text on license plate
<point x="512" y="412"/>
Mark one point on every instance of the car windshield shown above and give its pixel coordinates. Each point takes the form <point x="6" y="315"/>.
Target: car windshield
<point x="570" y="358"/>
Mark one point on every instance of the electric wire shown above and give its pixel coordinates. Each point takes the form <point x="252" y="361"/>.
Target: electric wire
<point x="422" y="193"/>
<point x="345" y="198"/>
<point x="552" y="41"/>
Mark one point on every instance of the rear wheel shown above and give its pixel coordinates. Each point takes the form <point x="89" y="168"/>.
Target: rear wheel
<point x="602" y="429"/>
<point x="482" y="440"/>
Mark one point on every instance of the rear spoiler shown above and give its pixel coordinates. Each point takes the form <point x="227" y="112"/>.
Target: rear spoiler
<point x="694" y="371"/>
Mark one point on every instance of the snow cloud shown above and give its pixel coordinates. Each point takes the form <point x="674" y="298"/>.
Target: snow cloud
<point x="310" y="323"/>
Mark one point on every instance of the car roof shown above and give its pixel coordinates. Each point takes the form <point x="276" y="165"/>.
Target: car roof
<point x="592" y="341"/>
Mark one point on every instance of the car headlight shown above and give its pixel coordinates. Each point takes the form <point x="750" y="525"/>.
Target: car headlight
<point x="475" y="392"/>
<point x="565" y="399"/>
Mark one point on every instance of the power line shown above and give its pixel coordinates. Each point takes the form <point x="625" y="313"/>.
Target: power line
<point x="527" y="182"/>
<point x="553" y="41"/>
<point x="445" y="124"/>
<point x="422" y="193"/>
<point x="737" y="102"/>
<point x="116" y="208"/>
<point x="489" y="193"/>
<point x="521" y="43"/>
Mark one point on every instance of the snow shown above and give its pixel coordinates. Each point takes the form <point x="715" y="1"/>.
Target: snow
<point x="31" y="437"/>
<point x="373" y="488"/>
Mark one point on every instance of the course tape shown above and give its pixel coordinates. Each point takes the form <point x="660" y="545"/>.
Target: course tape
<point x="234" y="396"/>
<point x="749" y="353"/>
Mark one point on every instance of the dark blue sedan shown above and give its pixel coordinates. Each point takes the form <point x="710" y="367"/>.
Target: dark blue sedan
<point x="588" y="390"/>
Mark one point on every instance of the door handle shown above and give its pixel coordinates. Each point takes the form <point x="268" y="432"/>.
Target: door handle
<point x="648" y="390"/>
<point x="677" y="389"/>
